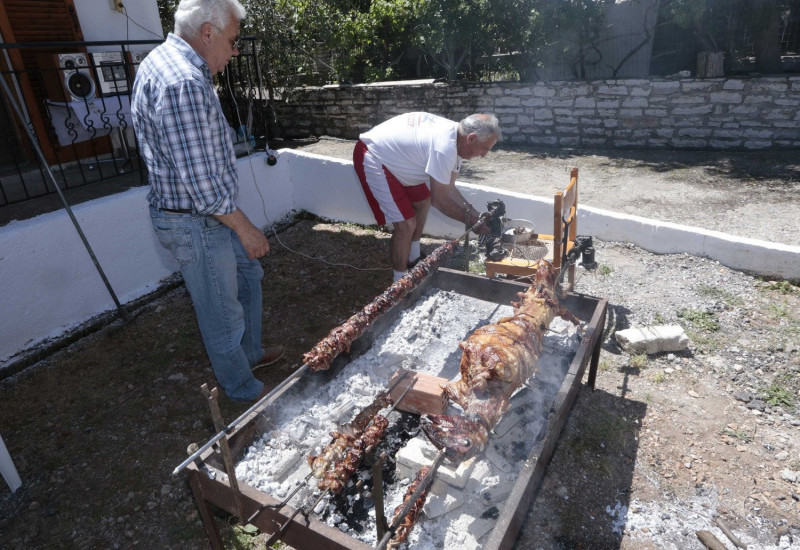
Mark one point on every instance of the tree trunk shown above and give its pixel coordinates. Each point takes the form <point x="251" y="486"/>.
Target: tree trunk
<point x="710" y="64"/>
<point x="767" y="40"/>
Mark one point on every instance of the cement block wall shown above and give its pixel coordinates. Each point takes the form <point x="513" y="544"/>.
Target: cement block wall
<point x="718" y="113"/>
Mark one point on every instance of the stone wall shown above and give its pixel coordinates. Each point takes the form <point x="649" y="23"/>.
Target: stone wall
<point x="719" y="113"/>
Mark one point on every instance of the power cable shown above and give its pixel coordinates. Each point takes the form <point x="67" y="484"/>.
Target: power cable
<point x="129" y="19"/>
<point x="261" y="196"/>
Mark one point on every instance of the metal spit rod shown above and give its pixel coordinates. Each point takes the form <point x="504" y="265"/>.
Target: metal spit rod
<point x="229" y="428"/>
<point x="423" y="486"/>
<point x="485" y="217"/>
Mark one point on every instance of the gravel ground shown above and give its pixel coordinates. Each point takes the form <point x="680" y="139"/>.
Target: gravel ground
<point x="686" y="438"/>
<point x="666" y="446"/>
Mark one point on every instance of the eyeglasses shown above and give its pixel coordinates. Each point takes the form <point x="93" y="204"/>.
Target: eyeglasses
<point x="236" y="43"/>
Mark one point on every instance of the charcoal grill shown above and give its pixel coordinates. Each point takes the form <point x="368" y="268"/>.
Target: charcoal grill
<point x="211" y="486"/>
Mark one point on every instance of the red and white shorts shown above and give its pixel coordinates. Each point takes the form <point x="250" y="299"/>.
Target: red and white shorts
<point x="389" y="199"/>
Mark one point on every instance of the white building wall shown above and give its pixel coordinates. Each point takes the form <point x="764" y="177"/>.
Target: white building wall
<point x="100" y="22"/>
<point x="51" y="285"/>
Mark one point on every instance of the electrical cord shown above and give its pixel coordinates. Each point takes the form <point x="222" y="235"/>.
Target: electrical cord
<point x="264" y="204"/>
<point x="129" y="19"/>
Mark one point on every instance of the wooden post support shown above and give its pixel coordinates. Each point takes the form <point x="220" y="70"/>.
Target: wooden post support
<point x="224" y="448"/>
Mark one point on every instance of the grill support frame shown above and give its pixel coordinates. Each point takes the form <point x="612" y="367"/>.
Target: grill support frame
<point x="312" y="533"/>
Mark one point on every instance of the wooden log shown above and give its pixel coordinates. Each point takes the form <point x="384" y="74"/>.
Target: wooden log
<point x="711" y="542"/>
<point x="426" y="396"/>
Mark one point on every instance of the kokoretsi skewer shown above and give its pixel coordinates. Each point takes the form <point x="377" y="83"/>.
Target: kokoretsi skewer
<point x="497" y="359"/>
<point x="407" y="523"/>
<point x="340" y="338"/>
<point x="336" y="476"/>
<point x="347" y="436"/>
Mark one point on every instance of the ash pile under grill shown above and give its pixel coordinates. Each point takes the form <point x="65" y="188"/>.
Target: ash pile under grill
<point x="464" y="501"/>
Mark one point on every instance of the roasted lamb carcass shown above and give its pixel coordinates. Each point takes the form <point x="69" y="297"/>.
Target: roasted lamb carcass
<point x="497" y="360"/>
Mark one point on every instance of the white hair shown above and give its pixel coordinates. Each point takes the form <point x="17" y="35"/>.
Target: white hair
<point x="192" y="14"/>
<point x="483" y="125"/>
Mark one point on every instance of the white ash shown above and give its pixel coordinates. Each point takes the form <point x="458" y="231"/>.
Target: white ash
<point x="424" y="338"/>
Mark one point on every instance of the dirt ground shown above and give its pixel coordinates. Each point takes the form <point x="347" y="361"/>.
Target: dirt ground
<point x="670" y="442"/>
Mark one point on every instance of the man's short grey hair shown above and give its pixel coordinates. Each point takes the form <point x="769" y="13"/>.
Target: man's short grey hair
<point x="192" y="14"/>
<point x="481" y="124"/>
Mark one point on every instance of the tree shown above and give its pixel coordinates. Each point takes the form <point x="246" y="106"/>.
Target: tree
<point x="450" y="30"/>
<point x="721" y="25"/>
<point x="767" y="35"/>
<point x="373" y="41"/>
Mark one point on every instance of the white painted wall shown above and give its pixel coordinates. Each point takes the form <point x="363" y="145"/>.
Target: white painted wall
<point x="99" y="22"/>
<point x="52" y="287"/>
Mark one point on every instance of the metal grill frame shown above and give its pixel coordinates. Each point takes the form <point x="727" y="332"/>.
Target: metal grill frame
<point x="313" y="533"/>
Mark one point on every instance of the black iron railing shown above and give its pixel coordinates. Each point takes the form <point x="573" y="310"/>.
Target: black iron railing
<point x="69" y="103"/>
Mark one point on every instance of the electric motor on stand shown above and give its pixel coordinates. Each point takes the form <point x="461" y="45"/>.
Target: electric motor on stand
<point x="493" y="240"/>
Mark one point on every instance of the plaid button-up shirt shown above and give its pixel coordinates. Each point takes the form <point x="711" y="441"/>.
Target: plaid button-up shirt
<point x="182" y="132"/>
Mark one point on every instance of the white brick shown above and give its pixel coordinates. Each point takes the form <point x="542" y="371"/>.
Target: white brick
<point x="442" y="498"/>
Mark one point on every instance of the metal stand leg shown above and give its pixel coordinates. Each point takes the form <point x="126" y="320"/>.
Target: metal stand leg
<point x="596" y="351"/>
<point x="209" y="523"/>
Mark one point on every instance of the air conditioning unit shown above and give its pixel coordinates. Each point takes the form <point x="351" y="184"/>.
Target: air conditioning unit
<point x="111" y="73"/>
<point x="67" y="77"/>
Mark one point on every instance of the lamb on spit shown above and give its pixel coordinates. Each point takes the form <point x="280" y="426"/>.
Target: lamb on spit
<point x="408" y="522"/>
<point x="340" y="338"/>
<point x="497" y="360"/>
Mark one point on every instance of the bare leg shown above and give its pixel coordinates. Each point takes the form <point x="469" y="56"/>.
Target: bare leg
<point x="400" y="243"/>
<point x="405" y="232"/>
<point x="421" y="209"/>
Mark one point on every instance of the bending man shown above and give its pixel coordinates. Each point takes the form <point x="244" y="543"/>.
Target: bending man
<point x="411" y="162"/>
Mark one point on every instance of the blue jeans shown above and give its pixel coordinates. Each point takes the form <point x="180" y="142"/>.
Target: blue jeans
<point x="225" y="286"/>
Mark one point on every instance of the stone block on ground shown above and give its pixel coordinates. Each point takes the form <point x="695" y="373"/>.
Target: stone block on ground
<point x="653" y="339"/>
<point x="442" y="498"/>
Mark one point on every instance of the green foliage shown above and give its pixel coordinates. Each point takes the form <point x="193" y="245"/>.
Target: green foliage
<point x="374" y="42"/>
<point x="639" y="360"/>
<point x="741" y="435"/>
<point x="365" y="41"/>
<point x="702" y="320"/>
<point x="718" y="294"/>
<point x="778" y="395"/>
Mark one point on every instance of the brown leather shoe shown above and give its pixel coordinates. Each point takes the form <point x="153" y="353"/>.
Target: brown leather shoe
<point x="271" y="355"/>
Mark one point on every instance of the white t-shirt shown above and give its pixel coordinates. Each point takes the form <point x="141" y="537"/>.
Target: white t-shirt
<point x="416" y="147"/>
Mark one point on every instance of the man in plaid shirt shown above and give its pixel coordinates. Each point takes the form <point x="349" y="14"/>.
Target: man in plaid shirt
<point x="186" y="144"/>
